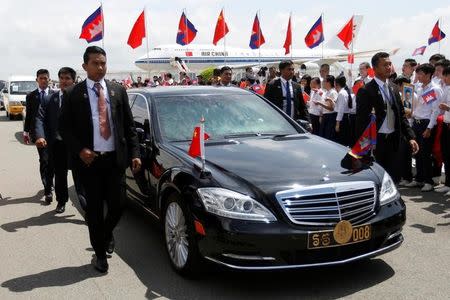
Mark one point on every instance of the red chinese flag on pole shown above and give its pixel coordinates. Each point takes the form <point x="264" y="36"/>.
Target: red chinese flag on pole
<point x="288" y="41"/>
<point x="138" y="32"/>
<point x="221" y="28"/>
<point x="346" y="34"/>
<point x="199" y="136"/>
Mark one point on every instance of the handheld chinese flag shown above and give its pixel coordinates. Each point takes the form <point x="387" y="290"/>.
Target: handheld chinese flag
<point x="356" y="86"/>
<point x="92" y="29"/>
<point x="199" y="136"/>
<point x="257" y="37"/>
<point x="186" y="31"/>
<point x="436" y="34"/>
<point x="138" y="32"/>
<point x="288" y="42"/>
<point x="221" y="28"/>
<point x="315" y="35"/>
<point x="366" y="141"/>
<point x="346" y="34"/>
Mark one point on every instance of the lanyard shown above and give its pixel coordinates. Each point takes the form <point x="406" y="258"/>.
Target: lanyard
<point x="388" y="98"/>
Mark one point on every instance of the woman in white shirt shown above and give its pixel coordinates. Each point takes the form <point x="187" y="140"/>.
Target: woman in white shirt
<point x="329" y="97"/>
<point x="314" y="109"/>
<point x="344" y="105"/>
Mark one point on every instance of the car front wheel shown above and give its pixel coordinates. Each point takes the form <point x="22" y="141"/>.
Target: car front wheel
<point x="181" y="243"/>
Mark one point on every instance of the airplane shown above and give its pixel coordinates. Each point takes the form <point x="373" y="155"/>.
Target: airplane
<point x="197" y="57"/>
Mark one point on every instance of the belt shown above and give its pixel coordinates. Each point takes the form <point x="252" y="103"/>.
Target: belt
<point x="420" y="121"/>
<point x="104" y="153"/>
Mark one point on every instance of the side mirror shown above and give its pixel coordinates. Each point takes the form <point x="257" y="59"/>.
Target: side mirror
<point x="305" y="124"/>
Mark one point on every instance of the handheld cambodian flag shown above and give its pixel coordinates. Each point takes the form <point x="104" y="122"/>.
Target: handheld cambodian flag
<point x="186" y="31"/>
<point x="429" y="96"/>
<point x="315" y="35"/>
<point x="436" y="34"/>
<point x="92" y="29"/>
<point x="366" y="141"/>
<point x="419" y="51"/>
<point x="257" y="37"/>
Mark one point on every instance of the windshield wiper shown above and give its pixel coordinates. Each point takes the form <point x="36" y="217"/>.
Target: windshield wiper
<point x="250" y="134"/>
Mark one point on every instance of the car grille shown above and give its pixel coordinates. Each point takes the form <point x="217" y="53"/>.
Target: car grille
<point x="327" y="204"/>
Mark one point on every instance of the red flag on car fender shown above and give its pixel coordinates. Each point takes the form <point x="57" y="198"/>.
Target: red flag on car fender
<point x="197" y="148"/>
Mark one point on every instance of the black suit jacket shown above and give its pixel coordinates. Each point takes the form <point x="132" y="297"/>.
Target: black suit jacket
<point x="76" y="125"/>
<point x="369" y="97"/>
<point x="47" y="118"/>
<point x="274" y="94"/>
<point x="32" y="105"/>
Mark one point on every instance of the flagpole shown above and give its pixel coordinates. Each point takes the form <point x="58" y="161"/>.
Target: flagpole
<point x="290" y="22"/>
<point x="323" y="32"/>
<point x="186" y="30"/>
<point x="224" y="38"/>
<point x="146" y="38"/>
<point x="259" y="39"/>
<point x="103" y="25"/>
<point x="352" y="57"/>
<point x="439" y="26"/>
<point x="202" y="138"/>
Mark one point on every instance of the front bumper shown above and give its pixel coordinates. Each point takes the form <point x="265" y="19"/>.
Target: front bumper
<point x="278" y="245"/>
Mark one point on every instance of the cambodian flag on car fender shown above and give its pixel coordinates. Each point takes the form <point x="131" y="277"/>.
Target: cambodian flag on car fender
<point x="429" y="96"/>
<point x="92" y="29"/>
<point x="366" y="141"/>
<point x="199" y="137"/>
<point x="315" y="34"/>
<point x="186" y="31"/>
<point x="436" y="34"/>
<point x="257" y="37"/>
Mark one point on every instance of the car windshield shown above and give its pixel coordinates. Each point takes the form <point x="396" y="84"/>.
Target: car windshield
<point x="22" y="87"/>
<point x="226" y="116"/>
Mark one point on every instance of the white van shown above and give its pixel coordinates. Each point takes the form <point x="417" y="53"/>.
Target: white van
<point x="15" y="92"/>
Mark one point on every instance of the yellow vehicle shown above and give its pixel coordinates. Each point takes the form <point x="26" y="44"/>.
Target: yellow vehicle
<point x="15" y="92"/>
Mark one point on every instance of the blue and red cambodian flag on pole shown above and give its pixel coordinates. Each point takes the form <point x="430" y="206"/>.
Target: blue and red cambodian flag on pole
<point x="315" y="35"/>
<point x="436" y="34"/>
<point x="186" y="31"/>
<point x="92" y="29"/>
<point x="366" y="141"/>
<point x="257" y="37"/>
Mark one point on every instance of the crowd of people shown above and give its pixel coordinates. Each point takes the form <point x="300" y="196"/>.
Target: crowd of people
<point x="74" y="128"/>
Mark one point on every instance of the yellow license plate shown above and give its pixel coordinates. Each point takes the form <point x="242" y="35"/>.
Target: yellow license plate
<point x="342" y="234"/>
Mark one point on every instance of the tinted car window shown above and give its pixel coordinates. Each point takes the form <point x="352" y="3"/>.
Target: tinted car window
<point x="131" y="98"/>
<point x="140" y="114"/>
<point x="226" y="114"/>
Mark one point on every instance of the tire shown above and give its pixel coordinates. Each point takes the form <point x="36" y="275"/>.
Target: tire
<point x="180" y="238"/>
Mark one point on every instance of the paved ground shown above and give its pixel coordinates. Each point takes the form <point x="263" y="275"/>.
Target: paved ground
<point x="44" y="255"/>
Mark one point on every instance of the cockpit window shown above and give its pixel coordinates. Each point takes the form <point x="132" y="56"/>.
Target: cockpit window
<point x="226" y="114"/>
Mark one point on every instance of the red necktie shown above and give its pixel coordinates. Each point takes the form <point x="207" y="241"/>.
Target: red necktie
<point x="105" y="129"/>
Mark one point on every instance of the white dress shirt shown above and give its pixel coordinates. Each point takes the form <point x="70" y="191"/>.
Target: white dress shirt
<point x="283" y="88"/>
<point x="100" y="144"/>
<point x="315" y="109"/>
<point x="341" y="106"/>
<point x="46" y="91"/>
<point x="384" y="126"/>
<point x="331" y="94"/>
<point x="428" y="111"/>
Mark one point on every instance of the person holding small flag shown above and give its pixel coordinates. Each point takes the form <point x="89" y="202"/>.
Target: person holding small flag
<point x="425" y="114"/>
<point x="344" y="104"/>
<point x="328" y="102"/>
<point x="383" y="98"/>
<point x="445" y="137"/>
<point x="314" y="109"/>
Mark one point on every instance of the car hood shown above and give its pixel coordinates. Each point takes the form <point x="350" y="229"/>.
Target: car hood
<point x="272" y="165"/>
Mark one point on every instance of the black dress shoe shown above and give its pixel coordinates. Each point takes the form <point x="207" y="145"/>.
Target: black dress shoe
<point x="60" y="208"/>
<point x="110" y="245"/>
<point x="101" y="265"/>
<point x="48" y="198"/>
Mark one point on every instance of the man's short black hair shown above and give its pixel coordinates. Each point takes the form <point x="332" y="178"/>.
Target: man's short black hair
<point x="216" y="72"/>
<point x="426" y="68"/>
<point x="315" y="79"/>
<point x="169" y="75"/>
<point x="436" y="57"/>
<point x="225" y="68"/>
<point x="92" y="50"/>
<point x="377" y="57"/>
<point x="42" y="72"/>
<point x="442" y="63"/>
<point x="365" y="64"/>
<point x="400" y="80"/>
<point x="411" y="61"/>
<point x="284" y="64"/>
<point x="67" y="70"/>
<point x="446" y="71"/>
<point x="341" y="80"/>
<point x="330" y="79"/>
<point x="325" y="66"/>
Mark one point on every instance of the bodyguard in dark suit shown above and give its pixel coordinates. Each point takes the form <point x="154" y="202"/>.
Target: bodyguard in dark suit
<point x="33" y="100"/>
<point x="48" y="136"/>
<point x="382" y="97"/>
<point x="99" y="132"/>
<point x="287" y="94"/>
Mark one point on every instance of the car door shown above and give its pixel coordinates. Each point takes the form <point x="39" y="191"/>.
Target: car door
<point x="138" y="183"/>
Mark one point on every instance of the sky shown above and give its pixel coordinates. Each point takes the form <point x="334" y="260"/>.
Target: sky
<point x="44" y="34"/>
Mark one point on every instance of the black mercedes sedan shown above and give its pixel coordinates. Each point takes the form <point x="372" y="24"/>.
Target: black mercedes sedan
<point x="269" y="196"/>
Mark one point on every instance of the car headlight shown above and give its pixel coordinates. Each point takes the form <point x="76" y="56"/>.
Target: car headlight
<point x="388" y="191"/>
<point x="226" y="203"/>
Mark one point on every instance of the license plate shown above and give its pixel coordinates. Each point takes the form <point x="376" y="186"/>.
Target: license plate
<point x="342" y="234"/>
